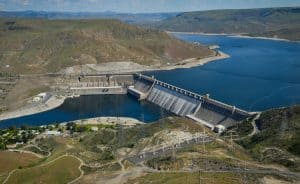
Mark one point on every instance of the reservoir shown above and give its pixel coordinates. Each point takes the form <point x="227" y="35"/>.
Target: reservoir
<point x="259" y="75"/>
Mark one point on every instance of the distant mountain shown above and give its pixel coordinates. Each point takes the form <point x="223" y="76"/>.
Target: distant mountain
<point x="125" y="17"/>
<point x="270" y="22"/>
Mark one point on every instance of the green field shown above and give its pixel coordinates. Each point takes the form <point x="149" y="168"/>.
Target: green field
<point x="62" y="170"/>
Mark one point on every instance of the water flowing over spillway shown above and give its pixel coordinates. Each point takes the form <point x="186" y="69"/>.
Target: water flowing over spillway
<point x="172" y="101"/>
<point x="181" y="102"/>
<point x="143" y="85"/>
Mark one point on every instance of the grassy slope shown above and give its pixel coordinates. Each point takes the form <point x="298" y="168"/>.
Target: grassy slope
<point x="47" y="171"/>
<point x="280" y="128"/>
<point x="37" y="46"/>
<point x="179" y="178"/>
<point x="11" y="160"/>
<point x="281" y="22"/>
<point x="62" y="170"/>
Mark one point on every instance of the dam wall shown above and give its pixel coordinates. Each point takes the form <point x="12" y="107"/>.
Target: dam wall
<point x="210" y="112"/>
<point x="141" y="86"/>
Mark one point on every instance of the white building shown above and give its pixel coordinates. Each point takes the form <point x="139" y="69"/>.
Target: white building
<point x="52" y="133"/>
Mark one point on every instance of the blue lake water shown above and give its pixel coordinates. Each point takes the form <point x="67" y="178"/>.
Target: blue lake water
<point x="260" y="74"/>
<point x="89" y="107"/>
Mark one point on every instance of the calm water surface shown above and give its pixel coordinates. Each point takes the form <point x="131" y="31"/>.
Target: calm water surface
<point x="89" y="107"/>
<point x="260" y="74"/>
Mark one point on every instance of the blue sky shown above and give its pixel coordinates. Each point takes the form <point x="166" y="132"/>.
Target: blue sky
<point x="135" y="6"/>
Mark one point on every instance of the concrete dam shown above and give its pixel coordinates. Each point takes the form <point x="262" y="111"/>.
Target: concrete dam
<point x="209" y="112"/>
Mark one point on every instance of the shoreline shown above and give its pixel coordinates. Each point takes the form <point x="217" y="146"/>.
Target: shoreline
<point x="108" y="120"/>
<point x="200" y="33"/>
<point x="235" y="35"/>
<point x="260" y="38"/>
<point x="27" y="110"/>
<point x="55" y="101"/>
<point x="131" y="67"/>
<point x="193" y="62"/>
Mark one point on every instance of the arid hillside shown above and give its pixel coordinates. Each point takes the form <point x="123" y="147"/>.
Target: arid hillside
<point x="267" y="22"/>
<point x="40" y="46"/>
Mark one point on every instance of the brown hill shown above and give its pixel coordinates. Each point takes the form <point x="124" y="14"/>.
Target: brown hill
<point x="39" y="46"/>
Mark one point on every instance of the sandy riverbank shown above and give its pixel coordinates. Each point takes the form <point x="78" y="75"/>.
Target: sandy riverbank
<point x="194" y="62"/>
<point x="131" y="67"/>
<point x="51" y="103"/>
<point x="109" y="121"/>
<point x="235" y="35"/>
<point x="201" y="33"/>
<point x="260" y="37"/>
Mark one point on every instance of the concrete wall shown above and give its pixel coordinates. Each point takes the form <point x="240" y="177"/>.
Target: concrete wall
<point x="100" y="84"/>
<point x="186" y="103"/>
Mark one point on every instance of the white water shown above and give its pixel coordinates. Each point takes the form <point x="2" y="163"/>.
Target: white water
<point x="173" y="101"/>
<point x="142" y="86"/>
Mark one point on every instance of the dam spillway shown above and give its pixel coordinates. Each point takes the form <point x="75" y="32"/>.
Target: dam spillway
<point x="172" y="101"/>
<point x="210" y="112"/>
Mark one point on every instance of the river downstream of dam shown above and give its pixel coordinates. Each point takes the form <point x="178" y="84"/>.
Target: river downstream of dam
<point x="260" y="74"/>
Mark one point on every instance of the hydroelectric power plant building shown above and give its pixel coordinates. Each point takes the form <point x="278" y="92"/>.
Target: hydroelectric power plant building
<point x="209" y="112"/>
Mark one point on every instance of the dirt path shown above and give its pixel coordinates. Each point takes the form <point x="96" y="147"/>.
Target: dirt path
<point x="255" y="128"/>
<point x="24" y="151"/>
<point x="9" y="174"/>
<point x="124" y="176"/>
<point x="29" y="152"/>
<point x="79" y="168"/>
<point x="40" y="149"/>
